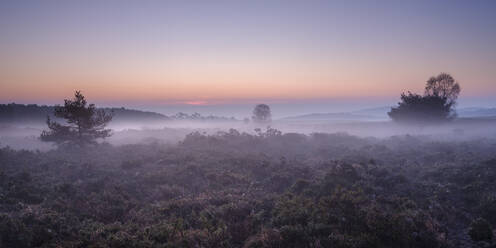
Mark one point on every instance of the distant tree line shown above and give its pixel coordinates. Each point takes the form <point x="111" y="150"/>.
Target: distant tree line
<point x="199" y="117"/>
<point x="33" y="113"/>
<point x="12" y="112"/>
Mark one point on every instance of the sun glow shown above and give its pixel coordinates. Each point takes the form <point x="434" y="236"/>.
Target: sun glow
<point x="196" y="103"/>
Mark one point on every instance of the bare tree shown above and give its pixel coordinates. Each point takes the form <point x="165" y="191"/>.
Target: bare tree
<point x="443" y="85"/>
<point x="261" y="114"/>
<point x="85" y="123"/>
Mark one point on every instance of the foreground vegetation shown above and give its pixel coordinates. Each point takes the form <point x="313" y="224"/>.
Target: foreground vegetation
<point x="266" y="190"/>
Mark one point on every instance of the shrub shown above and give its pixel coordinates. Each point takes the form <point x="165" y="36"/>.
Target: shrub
<point x="481" y="230"/>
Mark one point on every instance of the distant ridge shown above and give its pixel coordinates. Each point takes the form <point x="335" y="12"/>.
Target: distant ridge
<point x="36" y="114"/>
<point x="331" y="116"/>
<point x="369" y="114"/>
<point x="475" y="112"/>
<point x="380" y="113"/>
<point x="376" y="112"/>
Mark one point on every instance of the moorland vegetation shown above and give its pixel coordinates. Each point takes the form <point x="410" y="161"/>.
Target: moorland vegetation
<point x="269" y="189"/>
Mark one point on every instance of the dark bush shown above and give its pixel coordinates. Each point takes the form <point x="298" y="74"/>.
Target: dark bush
<point x="415" y="108"/>
<point x="481" y="230"/>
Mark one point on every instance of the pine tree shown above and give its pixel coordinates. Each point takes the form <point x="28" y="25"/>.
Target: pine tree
<point x="84" y="123"/>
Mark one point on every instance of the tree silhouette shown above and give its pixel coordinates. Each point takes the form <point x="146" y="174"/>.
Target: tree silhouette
<point x="261" y="113"/>
<point x="436" y="105"/>
<point x="443" y="85"/>
<point x="85" y="123"/>
<point x="415" y="108"/>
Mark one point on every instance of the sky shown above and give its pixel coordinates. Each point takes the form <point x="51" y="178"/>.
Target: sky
<point x="172" y="55"/>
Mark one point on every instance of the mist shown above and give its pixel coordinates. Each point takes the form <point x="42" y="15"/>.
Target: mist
<point x="366" y="123"/>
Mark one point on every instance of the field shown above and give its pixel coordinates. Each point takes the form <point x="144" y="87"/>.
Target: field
<point x="253" y="189"/>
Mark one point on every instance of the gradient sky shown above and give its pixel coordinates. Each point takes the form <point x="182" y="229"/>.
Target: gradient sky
<point x="231" y="52"/>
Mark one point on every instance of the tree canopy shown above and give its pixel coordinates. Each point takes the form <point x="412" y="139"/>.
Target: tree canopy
<point x="262" y="114"/>
<point x="84" y="123"/>
<point x="444" y="86"/>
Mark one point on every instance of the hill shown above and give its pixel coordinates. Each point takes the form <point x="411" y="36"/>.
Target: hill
<point x="476" y="112"/>
<point x="380" y="113"/>
<point x="13" y="113"/>
<point x="369" y="114"/>
<point x="32" y="113"/>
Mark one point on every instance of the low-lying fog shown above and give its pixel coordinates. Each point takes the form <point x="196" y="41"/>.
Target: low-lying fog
<point x="25" y="136"/>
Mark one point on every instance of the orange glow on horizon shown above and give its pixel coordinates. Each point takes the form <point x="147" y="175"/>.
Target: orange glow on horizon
<point x="219" y="53"/>
<point x="206" y="78"/>
<point x="196" y="102"/>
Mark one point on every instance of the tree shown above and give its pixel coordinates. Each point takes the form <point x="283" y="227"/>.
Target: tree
<point x="415" y="108"/>
<point x="261" y="113"/>
<point x="443" y="85"/>
<point x="436" y="105"/>
<point x="85" y="123"/>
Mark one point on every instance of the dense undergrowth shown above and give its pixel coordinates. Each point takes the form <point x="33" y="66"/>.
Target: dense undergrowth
<point x="238" y="190"/>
